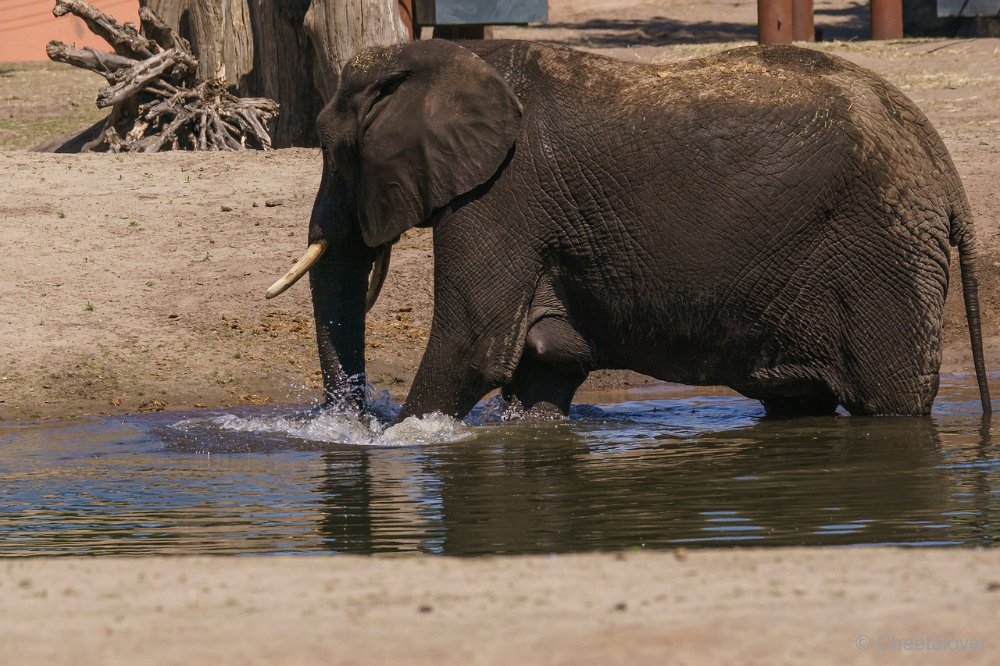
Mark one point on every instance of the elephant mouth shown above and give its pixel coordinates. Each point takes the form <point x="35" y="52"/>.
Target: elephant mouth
<point x="315" y="252"/>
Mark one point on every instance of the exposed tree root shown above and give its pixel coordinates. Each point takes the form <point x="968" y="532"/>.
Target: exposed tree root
<point x="158" y="102"/>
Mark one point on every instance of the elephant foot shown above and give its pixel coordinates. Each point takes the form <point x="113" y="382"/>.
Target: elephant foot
<point x="542" y="390"/>
<point x="540" y="411"/>
<point x="783" y="407"/>
<point x="791" y="390"/>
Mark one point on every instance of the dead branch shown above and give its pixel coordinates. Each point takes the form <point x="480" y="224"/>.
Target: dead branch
<point x="136" y="77"/>
<point x="104" y="64"/>
<point x="158" y="101"/>
<point x="160" y="32"/>
<point x="124" y="39"/>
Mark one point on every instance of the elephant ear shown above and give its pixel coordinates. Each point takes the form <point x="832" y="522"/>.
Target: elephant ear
<point x="440" y="124"/>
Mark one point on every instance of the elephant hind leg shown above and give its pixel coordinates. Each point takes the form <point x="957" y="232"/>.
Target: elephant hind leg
<point x="554" y="341"/>
<point x="911" y="396"/>
<point x="554" y="364"/>
<point x="788" y="391"/>
<point x="894" y="374"/>
<point x="542" y="389"/>
<point x="819" y="403"/>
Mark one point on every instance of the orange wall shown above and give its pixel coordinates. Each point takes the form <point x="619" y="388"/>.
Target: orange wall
<point x="26" y="26"/>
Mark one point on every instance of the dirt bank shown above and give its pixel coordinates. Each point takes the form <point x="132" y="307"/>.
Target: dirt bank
<point x="830" y="606"/>
<point x="136" y="282"/>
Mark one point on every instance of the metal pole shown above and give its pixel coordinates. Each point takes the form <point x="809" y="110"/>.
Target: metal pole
<point x="803" y="28"/>
<point x="774" y="21"/>
<point x="887" y="19"/>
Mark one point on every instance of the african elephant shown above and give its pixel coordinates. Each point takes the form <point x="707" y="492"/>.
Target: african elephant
<point x="772" y="219"/>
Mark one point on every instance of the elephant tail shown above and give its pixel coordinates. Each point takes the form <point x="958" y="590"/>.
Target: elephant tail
<point x="964" y="235"/>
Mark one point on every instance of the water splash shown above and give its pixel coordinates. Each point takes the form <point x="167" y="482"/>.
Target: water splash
<point x="435" y="428"/>
<point x="341" y="425"/>
<point x="334" y="427"/>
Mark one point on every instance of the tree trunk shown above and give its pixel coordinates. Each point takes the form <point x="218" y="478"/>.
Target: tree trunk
<point x="283" y="65"/>
<point x="339" y="29"/>
<point x="290" y="51"/>
<point x="218" y="31"/>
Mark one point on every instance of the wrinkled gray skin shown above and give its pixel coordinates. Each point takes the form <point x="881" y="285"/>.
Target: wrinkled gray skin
<point x="771" y="219"/>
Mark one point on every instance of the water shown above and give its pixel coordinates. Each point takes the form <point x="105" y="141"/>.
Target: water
<point x="674" y="468"/>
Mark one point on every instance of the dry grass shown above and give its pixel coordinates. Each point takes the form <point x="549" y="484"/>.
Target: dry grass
<point x="939" y="81"/>
<point x="678" y="52"/>
<point x="43" y="100"/>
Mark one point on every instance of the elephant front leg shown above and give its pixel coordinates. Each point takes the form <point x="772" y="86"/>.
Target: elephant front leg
<point x="480" y="321"/>
<point x="447" y="382"/>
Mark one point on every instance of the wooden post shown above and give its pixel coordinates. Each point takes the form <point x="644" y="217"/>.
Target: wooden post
<point x="774" y="21"/>
<point x="803" y="28"/>
<point x="887" y="19"/>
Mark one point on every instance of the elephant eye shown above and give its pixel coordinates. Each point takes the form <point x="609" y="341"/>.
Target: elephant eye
<point x="390" y="85"/>
<point x="385" y="89"/>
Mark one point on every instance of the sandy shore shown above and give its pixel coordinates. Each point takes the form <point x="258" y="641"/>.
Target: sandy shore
<point x="830" y="606"/>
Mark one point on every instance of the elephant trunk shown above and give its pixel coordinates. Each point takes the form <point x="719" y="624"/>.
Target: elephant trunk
<point x="339" y="263"/>
<point x="337" y="278"/>
<point x="339" y="282"/>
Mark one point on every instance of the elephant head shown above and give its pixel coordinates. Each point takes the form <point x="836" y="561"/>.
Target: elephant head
<point x="410" y="129"/>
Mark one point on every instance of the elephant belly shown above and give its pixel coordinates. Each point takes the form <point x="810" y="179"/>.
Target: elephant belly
<point x="683" y="352"/>
<point x="869" y="354"/>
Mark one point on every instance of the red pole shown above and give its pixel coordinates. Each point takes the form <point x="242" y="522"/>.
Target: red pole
<point x="887" y="19"/>
<point x="774" y="21"/>
<point x="406" y="13"/>
<point x="803" y="28"/>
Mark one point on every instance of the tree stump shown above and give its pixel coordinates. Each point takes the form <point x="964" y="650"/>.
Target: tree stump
<point x="158" y="98"/>
<point x="337" y="35"/>
<point x="290" y="51"/>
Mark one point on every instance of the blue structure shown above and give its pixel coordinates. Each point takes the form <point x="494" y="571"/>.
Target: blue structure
<point x="480" y="12"/>
<point x="968" y="8"/>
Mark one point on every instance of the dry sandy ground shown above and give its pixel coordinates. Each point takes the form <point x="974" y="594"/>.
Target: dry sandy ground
<point x="136" y="282"/>
<point x="778" y="606"/>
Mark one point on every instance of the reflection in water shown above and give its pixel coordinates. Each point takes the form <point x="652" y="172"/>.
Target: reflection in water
<point x="678" y="468"/>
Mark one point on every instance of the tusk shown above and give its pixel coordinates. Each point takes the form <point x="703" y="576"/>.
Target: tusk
<point x="301" y="267"/>
<point x="377" y="277"/>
